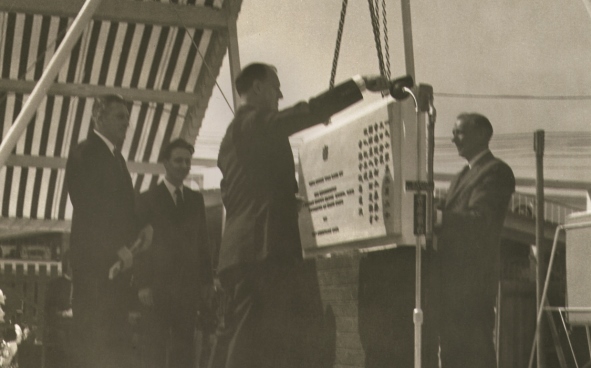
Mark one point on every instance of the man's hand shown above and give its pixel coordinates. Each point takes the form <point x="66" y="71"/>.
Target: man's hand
<point x="376" y="83"/>
<point x="126" y="257"/>
<point x="146" y="297"/>
<point x="207" y="294"/>
<point x="300" y="202"/>
<point x="144" y="238"/>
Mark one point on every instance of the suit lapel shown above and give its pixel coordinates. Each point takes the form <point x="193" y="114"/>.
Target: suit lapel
<point x="164" y="197"/>
<point x="114" y="160"/>
<point x="467" y="177"/>
<point x="454" y="186"/>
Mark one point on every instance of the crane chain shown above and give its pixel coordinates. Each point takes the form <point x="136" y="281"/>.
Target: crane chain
<point x="386" y="43"/>
<point x="375" y="22"/>
<point x="337" y="49"/>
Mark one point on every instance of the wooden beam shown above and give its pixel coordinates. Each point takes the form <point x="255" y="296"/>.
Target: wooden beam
<point x="13" y="227"/>
<point x="234" y="57"/>
<point x="60" y="163"/>
<point x="81" y="21"/>
<point x="88" y="90"/>
<point x="204" y="87"/>
<point x="150" y="168"/>
<point x="145" y="12"/>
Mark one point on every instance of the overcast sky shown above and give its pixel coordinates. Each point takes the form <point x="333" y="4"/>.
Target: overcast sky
<point x="504" y="47"/>
<point x="493" y="47"/>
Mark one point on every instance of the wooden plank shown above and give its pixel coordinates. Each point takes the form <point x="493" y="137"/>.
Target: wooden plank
<point x="12" y="227"/>
<point x="145" y="12"/>
<point x="134" y="167"/>
<point x="88" y="90"/>
<point x="234" y="58"/>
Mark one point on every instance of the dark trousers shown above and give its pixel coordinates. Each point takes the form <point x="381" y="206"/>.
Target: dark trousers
<point x="273" y="318"/>
<point x="387" y="290"/>
<point x="466" y="333"/>
<point x="101" y="331"/>
<point x="467" y="318"/>
<point x="57" y="342"/>
<point x="169" y="334"/>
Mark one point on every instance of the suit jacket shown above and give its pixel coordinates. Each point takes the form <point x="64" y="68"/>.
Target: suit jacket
<point x="258" y="186"/>
<point x="104" y="219"/>
<point x="178" y="262"/>
<point x="473" y="215"/>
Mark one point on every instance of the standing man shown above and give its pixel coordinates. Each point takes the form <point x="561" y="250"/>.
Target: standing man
<point x="468" y="247"/>
<point x="268" y="307"/>
<point x="58" y="318"/>
<point x="103" y="230"/>
<point x="174" y="276"/>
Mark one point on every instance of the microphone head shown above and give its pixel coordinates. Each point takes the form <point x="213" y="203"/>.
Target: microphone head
<point x="397" y="87"/>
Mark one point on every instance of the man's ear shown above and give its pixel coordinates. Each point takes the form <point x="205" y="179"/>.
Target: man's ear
<point x="482" y="137"/>
<point x="96" y="123"/>
<point x="256" y="86"/>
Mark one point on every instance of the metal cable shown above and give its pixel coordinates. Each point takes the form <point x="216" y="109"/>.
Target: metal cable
<point x="386" y="43"/>
<point x="376" y="32"/>
<point x="203" y="59"/>
<point x="337" y="48"/>
<point x="513" y="97"/>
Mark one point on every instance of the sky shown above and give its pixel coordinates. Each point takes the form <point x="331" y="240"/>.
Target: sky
<point x="492" y="47"/>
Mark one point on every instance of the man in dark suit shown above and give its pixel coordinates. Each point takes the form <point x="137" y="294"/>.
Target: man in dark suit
<point x="468" y="247"/>
<point x="57" y="327"/>
<point x="260" y="263"/>
<point x="103" y="230"/>
<point x="174" y="276"/>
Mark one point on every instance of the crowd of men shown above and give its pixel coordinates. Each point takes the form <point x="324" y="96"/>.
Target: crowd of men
<point x="153" y="250"/>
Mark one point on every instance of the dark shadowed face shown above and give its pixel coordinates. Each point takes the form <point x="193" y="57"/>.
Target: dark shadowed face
<point x="469" y="140"/>
<point x="178" y="165"/>
<point x="270" y="91"/>
<point x="113" y="123"/>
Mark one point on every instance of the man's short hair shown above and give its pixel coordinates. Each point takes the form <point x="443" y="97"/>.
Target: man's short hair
<point x="177" y="143"/>
<point x="102" y="102"/>
<point x="478" y="121"/>
<point x="250" y="73"/>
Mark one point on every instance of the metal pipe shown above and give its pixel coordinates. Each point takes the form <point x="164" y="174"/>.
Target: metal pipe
<point x="418" y="312"/>
<point x="409" y="56"/>
<point x="40" y="91"/>
<point x="233" y="56"/>
<point x="541" y="269"/>
<point x="587" y="6"/>
<point x="541" y="307"/>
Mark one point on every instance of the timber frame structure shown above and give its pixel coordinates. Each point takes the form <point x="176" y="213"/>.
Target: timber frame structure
<point x="161" y="55"/>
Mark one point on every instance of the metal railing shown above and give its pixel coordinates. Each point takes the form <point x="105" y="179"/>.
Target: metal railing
<point x="525" y="205"/>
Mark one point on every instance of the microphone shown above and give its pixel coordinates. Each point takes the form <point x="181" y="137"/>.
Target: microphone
<point x="397" y="87"/>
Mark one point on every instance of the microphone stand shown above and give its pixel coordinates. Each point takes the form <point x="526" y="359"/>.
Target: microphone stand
<point x="423" y="104"/>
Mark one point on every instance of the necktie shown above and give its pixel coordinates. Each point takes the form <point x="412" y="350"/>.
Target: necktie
<point x="123" y="172"/>
<point x="179" y="197"/>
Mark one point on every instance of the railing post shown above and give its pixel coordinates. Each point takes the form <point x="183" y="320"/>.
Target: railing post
<point x="541" y="264"/>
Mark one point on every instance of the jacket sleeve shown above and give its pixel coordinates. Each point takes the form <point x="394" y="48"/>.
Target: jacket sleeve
<point x="86" y="186"/>
<point x="488" y="200"/>
<point x="205" y="259"/>
<point x="307" y="114"/>
<point x="144" y="262"/>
